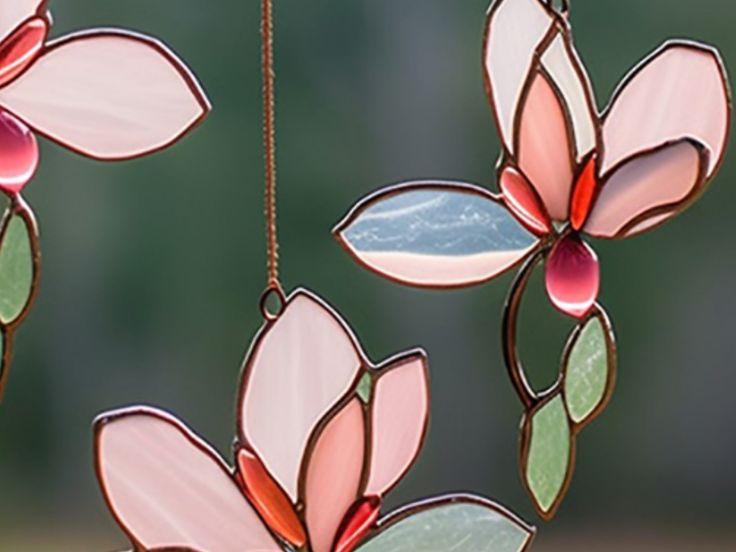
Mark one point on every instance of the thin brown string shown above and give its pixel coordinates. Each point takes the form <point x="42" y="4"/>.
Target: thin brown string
<point x="269" y="142"/>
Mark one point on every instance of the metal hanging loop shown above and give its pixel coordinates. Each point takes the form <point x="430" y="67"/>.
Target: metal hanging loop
<point x="273" y="302"/>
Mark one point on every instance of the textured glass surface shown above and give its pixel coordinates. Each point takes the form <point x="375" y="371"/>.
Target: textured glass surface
<point x="586" y="373"/>
<point x="169" y="489"/>
<point x="549" y="453"/>
<point x="572" y="276"/>
<point x="304" y="364"/>
<point x="664" y="177"/>
<point x="680" y="93"/>
<point x="334" y="474"/>
<point x="115" y="95"/>
<point x="399" y="417"/>
<point x="451" y="527"/>
<point x="437" y="236"/>
<point x="544" y="147"/>
<point x="16" y="270"/>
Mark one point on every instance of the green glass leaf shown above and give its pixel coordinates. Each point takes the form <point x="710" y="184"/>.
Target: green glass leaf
<point x="16" y="270"/>
<point x="587" y="370"/>
<point x="466" y="526"/>
<point x="548" y="451"/>
<point x="365" y="387"/>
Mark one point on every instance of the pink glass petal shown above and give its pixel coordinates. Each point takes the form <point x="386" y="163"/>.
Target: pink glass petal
<point x="15" y="12"/>
<point x="21" y="48"/>
<point x="521" y="198"/>
<point x="299" y="368"/>
<point x="168" y="489"/>
<point x="570" y="78"/>
<point x="18" y="154"/>
<point x="400" y="411"/>
<point x="358" y="522"/>
<point x="572" y="276"/>
<point x="515" y="28"/>
<point x="333" y="475"/>
<point x="544" y="154"/>
<point x="678" y="92"/>
<point x="116" y="95"/>
<point x="666" y="177"/>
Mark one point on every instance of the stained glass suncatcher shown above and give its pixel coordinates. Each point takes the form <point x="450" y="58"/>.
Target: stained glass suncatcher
<point x="567" y="172"/>
<point x="322" y="436"/>
<point x="105" y="94"/>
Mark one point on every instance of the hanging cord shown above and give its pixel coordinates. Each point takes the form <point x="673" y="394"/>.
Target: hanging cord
<point x="562" y="6"/>
<point x="273" y="288"/>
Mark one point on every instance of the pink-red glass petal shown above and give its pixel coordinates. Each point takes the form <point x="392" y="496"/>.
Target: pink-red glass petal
<point x="21" y="48"/>
<point x="18" y="154"/>
<point x="522" y="199"/>
<point x="572" y="276"/>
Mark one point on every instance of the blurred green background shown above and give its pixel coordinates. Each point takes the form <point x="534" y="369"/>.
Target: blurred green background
<point x="153" y="269"/>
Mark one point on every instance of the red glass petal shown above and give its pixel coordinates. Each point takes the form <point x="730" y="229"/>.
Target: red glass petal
<point x="521" y="198"/>
<point x="18" y="153"/>
<point x="582" y="199"/>
<point x="358" y="521"/>
<point x="269" y="499"/>
<point x="572" y="276"/>
<point x="21" y="48"/>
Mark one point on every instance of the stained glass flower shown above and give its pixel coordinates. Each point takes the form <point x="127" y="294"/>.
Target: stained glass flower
<point x="567" y="172"/>
<point x="106" y="94"/>
<point x="322" y="436"/>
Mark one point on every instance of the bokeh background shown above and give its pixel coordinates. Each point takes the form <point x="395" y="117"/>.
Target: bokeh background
<point x="153" y="269"/>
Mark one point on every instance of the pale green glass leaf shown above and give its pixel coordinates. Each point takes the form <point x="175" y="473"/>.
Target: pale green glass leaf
<point x="365" y="387"/>
<point x="16" y="270"/>
<point x="586" y="373"/>
<point x="548" y="453"/>
<point x="465" y="526"/>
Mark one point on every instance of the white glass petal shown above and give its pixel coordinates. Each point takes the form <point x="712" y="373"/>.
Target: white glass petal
<point x="665" y="178"/>
<point x="299" y="368"/>
<point x="515" y="28"/>
<point x="108" y="95"/>
<point x="568" y="75"/>
<point x="679" y="92"/>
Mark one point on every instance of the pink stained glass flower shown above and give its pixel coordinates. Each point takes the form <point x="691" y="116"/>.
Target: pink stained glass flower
<point x="323" y="435"/>
<point x="566" y="171"/>
<point x="106" y="94"/>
